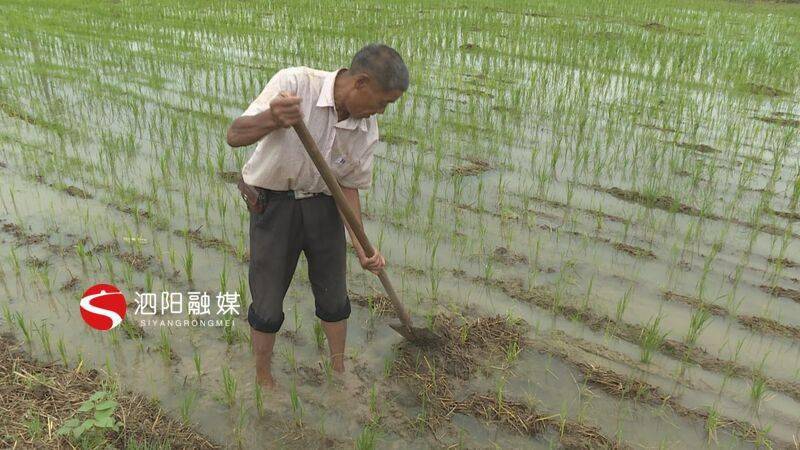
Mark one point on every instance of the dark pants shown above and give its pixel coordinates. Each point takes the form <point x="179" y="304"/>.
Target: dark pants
<point x="277" y="236"/>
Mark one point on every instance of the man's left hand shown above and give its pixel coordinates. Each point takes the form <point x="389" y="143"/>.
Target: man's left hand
<point x="373" y="264"/>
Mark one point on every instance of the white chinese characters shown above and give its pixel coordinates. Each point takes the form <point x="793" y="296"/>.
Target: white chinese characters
<point x="197" y="303"/>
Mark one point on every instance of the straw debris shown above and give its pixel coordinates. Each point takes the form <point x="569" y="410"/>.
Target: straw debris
<point x="50" y="393"/>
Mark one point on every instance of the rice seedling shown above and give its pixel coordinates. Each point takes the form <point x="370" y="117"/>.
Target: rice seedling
<point x="62" y="351"/>
<point x="228" y="386"/>
<point x="243" y="292"/>
<point x="319" y="335"/>
<point x="288" y="353"/>
<point x="623" y="302"/>
<point x="113" y="337"/>
<point x="44" y="337"/>
<point x="20" y="320"/>
<point x="186" y="406"/>
<point x="165" y="347"/>
<point x="8" y="317"/>
<point x="298" y="322"/>
<point x="223" y="277"/>
<point x="699" y="321"/>
<point x="297" y="408"/>
<point x="34" y="426"/>
<point x="241" y="424"/>
<point x="327" y="369"/>
<point x="188" y="262"/>
<point x="758" y="389"/>
<point x="14" y="261"/>
<point x="230" y="334"/>
<point x="388" y="362"/>
<point x="366" y="439"/>
<point x="373" y="405"/>
<point x="651" y="340"/>
<point x="259" y="399"/>
<point x="197" y="365"/>
<point x="512" y="353"/>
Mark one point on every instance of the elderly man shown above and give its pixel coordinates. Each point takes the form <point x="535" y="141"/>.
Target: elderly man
<point x="339" y="108"/>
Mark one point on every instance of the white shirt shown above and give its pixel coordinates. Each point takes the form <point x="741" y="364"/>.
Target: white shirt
<point x="280" y="161"/>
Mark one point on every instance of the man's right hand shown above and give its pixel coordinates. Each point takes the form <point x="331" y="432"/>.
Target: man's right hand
<point x="285" y="109"/>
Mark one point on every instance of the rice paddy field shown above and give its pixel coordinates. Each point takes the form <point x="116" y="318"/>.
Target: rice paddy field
<point x="594" y="203"/>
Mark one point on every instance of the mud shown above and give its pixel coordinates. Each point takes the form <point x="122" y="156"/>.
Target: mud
<point x="139" y="262"/>
<point x="476" y="166"/>
<point x="378" y="303"/>
<point x="138" y="212"/>
<point x="508" y="257"/>
<point x="782" y="121"/>
<point x="16" y="113"/>
<point x="662" y="202"/>
<point x="784" y="262"/>
<point x="762" y="89"/>
<point x="700" y="148"/>
<point x="23" y="237"/>
<point x="562" y="205"/>
<point x="76" y="192"/>
<point x="634" y="251"/>
<point x="657" y="128"/>
<point x="229" y="177"/>
<point x="769" y="326"/>
<point x="788" y="215"/>
<point x="669" y="204"/>
<point x="396" y="139"/>
<point x="437" y="376"/>
<point x="696" y="303"/>
<point x="205" y="241"/>
<point x="777" y="291"/>
<point x="661" y="28"/>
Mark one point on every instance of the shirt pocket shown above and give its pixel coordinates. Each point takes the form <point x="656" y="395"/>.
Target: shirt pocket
<point x="341" y="163"/>
<point x="344" y="169"/>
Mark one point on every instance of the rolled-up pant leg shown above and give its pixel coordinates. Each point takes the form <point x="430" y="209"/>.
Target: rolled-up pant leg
<point x="276" y="239"/>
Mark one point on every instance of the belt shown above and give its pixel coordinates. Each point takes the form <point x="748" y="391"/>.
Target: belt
<point x="296" y="195"/>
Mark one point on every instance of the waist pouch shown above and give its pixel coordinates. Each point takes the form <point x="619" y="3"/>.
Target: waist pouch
<point x="252" y="197"/>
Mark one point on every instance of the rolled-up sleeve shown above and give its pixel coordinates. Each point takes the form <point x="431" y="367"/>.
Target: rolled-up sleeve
<point x="283" y="80"/>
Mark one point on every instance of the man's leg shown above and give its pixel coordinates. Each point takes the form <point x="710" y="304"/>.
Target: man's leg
<point x="275" y="245"/>
<point x="324" y="246"/>
<point x="263" y="344"/>
<point x="336" y="332"/>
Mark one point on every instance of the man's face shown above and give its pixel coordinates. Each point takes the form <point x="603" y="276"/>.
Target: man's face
<point x="368" y="98"/>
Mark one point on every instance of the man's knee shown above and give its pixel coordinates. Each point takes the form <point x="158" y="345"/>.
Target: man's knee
<point x="265" y="322"/>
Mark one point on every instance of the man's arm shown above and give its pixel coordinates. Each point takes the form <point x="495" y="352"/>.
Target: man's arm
<point x="376" y="262"/>
<point x="354" y="200"/>
<point x="246" y="130"/>
<point x="283" y="112"/>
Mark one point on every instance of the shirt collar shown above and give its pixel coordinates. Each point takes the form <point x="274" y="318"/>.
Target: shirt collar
<point x="326" y="100"/>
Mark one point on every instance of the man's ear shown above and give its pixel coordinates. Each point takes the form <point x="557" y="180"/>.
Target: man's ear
<point x="362" y="80"/>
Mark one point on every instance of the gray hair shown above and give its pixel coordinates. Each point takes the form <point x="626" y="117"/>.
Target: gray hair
<point x="383" y="64"/>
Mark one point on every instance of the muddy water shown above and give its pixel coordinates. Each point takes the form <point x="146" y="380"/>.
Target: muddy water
<point x="537" y="376"/>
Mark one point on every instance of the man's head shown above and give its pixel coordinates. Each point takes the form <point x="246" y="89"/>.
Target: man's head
<point x="377" y="76"/>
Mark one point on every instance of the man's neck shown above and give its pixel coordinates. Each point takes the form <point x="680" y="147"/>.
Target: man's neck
<point x="339" y="86"/>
